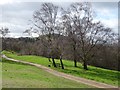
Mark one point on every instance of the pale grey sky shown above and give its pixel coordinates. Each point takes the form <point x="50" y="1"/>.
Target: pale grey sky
<point x="16" y="15"/>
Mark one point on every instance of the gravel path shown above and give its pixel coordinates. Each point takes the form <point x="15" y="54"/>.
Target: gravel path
<point x="67" y="76"/>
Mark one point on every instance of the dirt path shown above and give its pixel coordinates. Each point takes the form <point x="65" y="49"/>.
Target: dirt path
<point x="71" y="77"/>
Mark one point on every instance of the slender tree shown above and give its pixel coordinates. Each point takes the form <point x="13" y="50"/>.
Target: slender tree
<point x="4" y="31"/>
<point x="44" y="21"/>
<point x="70" y="31"/>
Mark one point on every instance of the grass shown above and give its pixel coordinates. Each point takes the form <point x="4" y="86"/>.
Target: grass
<point x="94" y="73"/>
<point x="18" y="75"/>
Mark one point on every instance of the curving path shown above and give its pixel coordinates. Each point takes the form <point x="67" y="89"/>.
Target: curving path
<point x="67" y="76"/>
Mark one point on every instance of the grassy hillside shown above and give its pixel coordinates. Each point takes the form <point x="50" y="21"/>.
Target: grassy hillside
<point x="17" y="75"/>
<point x="94" y="73"/>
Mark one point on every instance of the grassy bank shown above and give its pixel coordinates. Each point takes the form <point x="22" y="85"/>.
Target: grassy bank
<point x="17" y="75"/>
<point x="94" y="73"/>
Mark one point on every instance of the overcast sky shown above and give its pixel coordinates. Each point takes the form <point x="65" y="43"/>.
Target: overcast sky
<point x="16" y="16"/>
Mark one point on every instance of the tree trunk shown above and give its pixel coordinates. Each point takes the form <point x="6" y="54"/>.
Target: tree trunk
<point x="54" y="62"/>
<point x="75" y="63"/>
<point x="49" y="59"/>
<point x="85" y="64"/>
<point x="61" y="62"/>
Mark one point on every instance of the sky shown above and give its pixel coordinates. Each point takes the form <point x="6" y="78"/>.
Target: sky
<point x="16" y="15"/>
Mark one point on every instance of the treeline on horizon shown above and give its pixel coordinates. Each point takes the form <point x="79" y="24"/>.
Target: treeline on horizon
<point x="106" y="57"/>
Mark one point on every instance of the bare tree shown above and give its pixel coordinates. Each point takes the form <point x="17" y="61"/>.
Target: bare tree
<point x="59" y="41"/>
<point x="4" y="31"/>
<point x="70" y="32"/>
<point x="44" y="23"/>
<point x="84" y="32"/>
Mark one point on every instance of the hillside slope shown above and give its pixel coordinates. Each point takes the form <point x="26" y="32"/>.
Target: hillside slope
<point x="94" y="73"/>
<point x="17" y="75"/>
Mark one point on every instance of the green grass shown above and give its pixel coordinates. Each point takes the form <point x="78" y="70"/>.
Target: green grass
<point x="18" y="75"/>
<point x="94" y="73"/>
